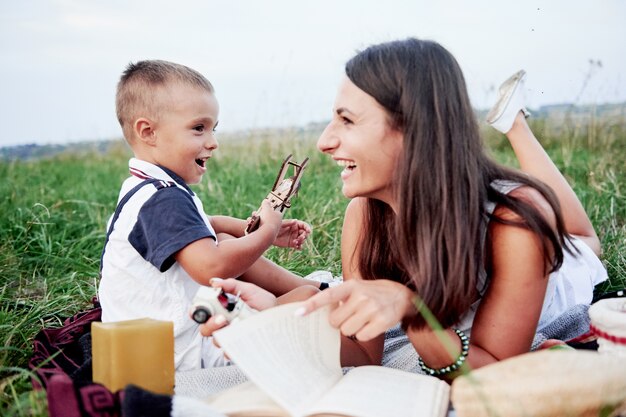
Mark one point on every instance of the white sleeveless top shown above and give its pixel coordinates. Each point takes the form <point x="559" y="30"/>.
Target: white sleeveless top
<point x="570" y="285"/>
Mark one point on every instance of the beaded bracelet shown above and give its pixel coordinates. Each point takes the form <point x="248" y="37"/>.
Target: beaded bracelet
<point x="454" y="366"/>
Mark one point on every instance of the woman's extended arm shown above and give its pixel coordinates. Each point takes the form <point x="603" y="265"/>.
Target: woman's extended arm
<point x="506" y="320"/>
<point x="353" y="352"/>
<point x="364" y="309"/>
<point x="254" y="296"/>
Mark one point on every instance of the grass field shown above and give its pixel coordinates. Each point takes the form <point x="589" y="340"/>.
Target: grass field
<point x="54" y="212"/>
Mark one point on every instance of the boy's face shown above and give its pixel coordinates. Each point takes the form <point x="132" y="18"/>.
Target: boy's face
<point x="185" y="131"/>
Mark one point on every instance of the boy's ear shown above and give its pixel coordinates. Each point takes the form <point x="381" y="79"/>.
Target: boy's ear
<point x="144" y="130"/>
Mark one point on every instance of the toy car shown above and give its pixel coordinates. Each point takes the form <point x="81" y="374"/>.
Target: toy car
<point x="210" y="301"/>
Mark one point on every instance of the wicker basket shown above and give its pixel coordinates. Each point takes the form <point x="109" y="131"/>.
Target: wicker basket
<point x="545" y="383"/>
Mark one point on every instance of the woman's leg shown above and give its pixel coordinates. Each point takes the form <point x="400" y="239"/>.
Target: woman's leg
<point x="534" y="160"/>
<point x="274" y="278"/>
<point x="271" y="276"/>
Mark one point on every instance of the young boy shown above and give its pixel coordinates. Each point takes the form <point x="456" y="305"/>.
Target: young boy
<point x="161" y="246"/>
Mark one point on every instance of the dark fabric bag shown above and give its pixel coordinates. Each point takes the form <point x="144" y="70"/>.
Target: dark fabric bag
<point x="62" y="362"/>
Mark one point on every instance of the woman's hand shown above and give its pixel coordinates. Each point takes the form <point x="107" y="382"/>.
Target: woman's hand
<point x="292" y="234"/>
<point x="364" y="308"/>
<point x="253" y="295"/>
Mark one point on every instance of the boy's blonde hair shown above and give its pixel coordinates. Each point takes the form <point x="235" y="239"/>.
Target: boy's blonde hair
<point x="140" y="84"/>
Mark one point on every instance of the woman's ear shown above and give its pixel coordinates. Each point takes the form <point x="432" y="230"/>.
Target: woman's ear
<point x="144" y="131"/>
<point x="397" y="136"/>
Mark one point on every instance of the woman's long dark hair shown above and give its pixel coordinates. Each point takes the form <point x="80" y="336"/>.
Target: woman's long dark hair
<point x="435" y="243"/>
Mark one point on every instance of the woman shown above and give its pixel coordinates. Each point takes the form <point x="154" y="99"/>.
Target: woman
<point x="435" y="226"/>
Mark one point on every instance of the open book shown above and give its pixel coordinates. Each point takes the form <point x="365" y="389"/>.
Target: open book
<point x="294" y="370"/>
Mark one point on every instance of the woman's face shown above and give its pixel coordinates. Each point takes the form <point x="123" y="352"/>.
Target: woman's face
<point x="361" y="141"/>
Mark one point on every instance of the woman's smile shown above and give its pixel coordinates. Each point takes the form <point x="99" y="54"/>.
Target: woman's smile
<point x="348" y="167"/>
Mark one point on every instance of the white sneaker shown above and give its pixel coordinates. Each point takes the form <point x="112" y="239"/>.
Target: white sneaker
<point x="510" y="102"/>
<point x="324" y="276"/>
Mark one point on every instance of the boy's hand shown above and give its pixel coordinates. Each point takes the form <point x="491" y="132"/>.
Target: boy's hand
<point x="292" y="234"/>
<point x="253" y="295"/>
<point x="269" y="216"/>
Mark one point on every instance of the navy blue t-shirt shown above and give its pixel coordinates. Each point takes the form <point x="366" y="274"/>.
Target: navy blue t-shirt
<point x="166" y="223"/>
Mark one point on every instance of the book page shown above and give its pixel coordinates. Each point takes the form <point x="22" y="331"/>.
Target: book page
<point x="295" y="360"/>
<point x="375" y="391"/>
<point x="245" y="400"/>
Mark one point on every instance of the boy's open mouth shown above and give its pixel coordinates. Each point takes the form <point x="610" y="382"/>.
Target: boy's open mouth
<point x="201" y="162"/>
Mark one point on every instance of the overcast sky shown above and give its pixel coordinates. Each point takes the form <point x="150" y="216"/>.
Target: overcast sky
<point x="278" y="62"/>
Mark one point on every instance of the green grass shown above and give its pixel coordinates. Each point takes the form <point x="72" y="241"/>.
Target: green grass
<point x="54" y="212"/>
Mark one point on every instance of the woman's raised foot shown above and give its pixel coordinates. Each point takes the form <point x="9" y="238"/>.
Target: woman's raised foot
<point x="510" y="102"/>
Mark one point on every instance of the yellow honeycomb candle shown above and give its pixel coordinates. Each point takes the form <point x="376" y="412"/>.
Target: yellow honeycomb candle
<point x="139" y="352"/>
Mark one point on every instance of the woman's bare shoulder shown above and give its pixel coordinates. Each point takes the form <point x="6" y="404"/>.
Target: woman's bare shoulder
<point x="356" y="206"/>
<point x="534" y="198"/>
